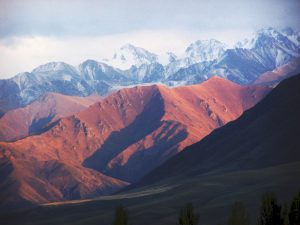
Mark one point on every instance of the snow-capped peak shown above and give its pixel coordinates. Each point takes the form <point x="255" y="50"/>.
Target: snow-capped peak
<point x="274" y="46"/>
<point x="89" y="63"/>
<point x="292" y="35"/>
<point x="54" y="67"/>
<point x="130" y="55"/>
<point x="261" y="37"/>
<point x="270" y="31"/>
<point x="205" y="50"/>
<point x="166" y="58"/>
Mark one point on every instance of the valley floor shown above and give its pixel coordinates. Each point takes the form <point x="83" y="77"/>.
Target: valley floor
<point x="211" y="194"/>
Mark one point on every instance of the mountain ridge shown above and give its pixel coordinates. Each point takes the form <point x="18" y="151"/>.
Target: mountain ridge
<point x="203" y="59"/>
<point x="35" y="117"/>
<point x="205" y="162"/>
<point x="251" y="155"/>
<point x="102" y="140"/>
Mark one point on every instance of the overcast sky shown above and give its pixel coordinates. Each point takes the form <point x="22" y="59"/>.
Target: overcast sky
<point x="34" y="32"/>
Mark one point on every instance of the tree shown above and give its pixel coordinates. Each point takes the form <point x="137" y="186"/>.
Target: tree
<point x="294" y="214"/>
<point x="270" y="210"/>
<point x="187" y="215"/>
<point x="121" y="216"/>
<point x="285" y="215"/>
<point x="239" y="215"/>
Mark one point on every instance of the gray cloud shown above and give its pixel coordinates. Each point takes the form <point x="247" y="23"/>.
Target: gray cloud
<point x="33" y="32"/>
<point x="91" y="17"/>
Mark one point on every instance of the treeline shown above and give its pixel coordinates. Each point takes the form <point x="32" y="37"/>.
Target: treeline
<point x="271" y="212"/>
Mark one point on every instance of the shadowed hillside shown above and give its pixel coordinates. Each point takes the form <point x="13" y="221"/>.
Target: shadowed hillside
<point x="118" y="140"/>
<point x="256" y="153"/>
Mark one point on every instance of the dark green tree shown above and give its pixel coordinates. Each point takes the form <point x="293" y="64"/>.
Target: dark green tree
<point x="239" y="215"/>
<point x="187" y="215"/>
<point x="294" y="214"/>
<point x="285" y="214"/>
<point x="270" y="210"/>
<point x="121" y="216"/>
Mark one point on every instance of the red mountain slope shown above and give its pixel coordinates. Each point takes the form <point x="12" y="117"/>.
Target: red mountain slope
<point x="124" y="136"/>
<point x="275" y="76"/>
<point x="21" y="122"/>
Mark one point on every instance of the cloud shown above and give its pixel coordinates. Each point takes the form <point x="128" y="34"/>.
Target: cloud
<point x="33" y="32"/>
<point x="105" y="17"/>
<point x="19" y="54"/>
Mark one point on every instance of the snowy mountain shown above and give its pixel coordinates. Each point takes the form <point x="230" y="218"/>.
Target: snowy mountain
<point x="146" y="73"/>
<point x="55" y="67"/>
<point x="206" y="50"/>
<point x="197" y="52"/>
<point x="275" y="47"/>
<point x="52" y="77"/>
<point x="176" y="65"/>
<point x="166" y="58"/>
<point x="93" y="71"/>
<point x="193" y="74"/>
<point x="292" y="35"/>
<point x="266" y="50"/>
<point x="130" y="55"/>
<point x="239" y="65"/>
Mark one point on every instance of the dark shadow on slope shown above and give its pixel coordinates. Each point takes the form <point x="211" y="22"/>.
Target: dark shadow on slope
<point x="48" y="126"/>
<point x="144" y="160"/>
<point x="9" y="185"/>
<point x="147" y="122"/>
<point x="1" y="114"/>
<point x="38" y="131"/>
<point x="264" y="136"/>
<point x="38" y="125"/>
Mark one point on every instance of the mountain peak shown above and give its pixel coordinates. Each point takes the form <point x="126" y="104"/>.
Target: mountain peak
<point x="288" y="31"/>
<point x="216" y="80"/>
<point x="166" y="58"/>
<point x="269" y="31"/>
<point x="89" y="61"/>
<point x="129" y="46"/>
<point x="205" y="50"/>
<point x="53" y="66"/>
<point x="211" y="41"/>
<point x="93" y="63"/>
<point x="205" y="43"/>
<point x="291" y="34"/>
<point x="268" y="35"/>
<point x="129" y="55"/>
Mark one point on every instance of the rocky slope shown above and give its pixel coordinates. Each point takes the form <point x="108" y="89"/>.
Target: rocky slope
<point x="252" y="141"/>
<point x="41" y="114"/>
<point x="118" y="140"/>
<point x="275" y="76"/>
<point x="240" y="161"/>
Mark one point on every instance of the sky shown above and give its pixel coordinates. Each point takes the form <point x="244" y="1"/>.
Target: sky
<point x="34" y="32"/>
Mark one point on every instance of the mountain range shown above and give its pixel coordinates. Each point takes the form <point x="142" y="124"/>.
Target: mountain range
<point x="141" y="122"/>
<point x="113" y="142"/>
<point x="267" y="50"/>
<point x="41" y="114"/>
<point x="257" y="152"/>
